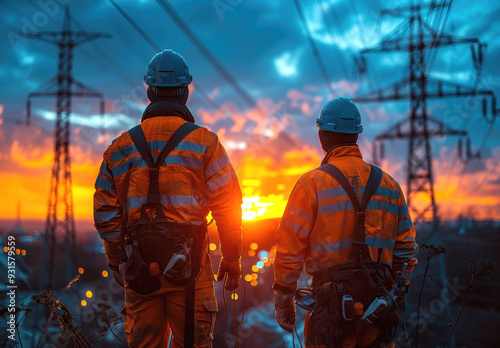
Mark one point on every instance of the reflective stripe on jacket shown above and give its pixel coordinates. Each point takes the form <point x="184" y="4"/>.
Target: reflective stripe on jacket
<point x="197" y="177"/>
<point x="317" y="228"/>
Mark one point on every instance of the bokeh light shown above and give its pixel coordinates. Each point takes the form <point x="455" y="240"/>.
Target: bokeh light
<point x="255" y="268"/>
<point x="105" y="274"/>
<point x="234" y="296"/>
<point x="248" y="277"/>
<point x="213" y="246"/>
<point x="89" y="294"/>
<point x="251" y="253"/>
<point x="81" y="270"/>
<point x="254" y="246"/>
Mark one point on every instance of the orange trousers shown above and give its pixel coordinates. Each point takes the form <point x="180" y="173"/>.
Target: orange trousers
<point x="149" y="318"/>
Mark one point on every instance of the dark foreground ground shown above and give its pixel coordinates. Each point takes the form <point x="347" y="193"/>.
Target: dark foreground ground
<point x="441" y="300"/>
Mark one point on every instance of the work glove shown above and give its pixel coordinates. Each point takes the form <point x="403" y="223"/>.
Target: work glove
<point x="284" y="309"/>
<point x="233" y="270"/>
<point x="115" y="271"/>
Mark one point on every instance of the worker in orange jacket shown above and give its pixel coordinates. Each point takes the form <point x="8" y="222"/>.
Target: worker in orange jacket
<point x="194" y="179"/>
<point x="319" y="225"/>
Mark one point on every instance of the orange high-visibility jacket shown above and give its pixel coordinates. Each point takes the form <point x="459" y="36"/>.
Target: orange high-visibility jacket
<point x="197" y="177"/>
<point x="317" y="228"/>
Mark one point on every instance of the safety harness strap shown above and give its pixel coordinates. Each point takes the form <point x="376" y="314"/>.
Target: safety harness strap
<point x="338" y="329"/>
<point x="153" y="199"/>
<point x="190" y="294"/>
<point x="189" y="313"/>
<point x="141" y="143"/>
<point x="373" y="183"/>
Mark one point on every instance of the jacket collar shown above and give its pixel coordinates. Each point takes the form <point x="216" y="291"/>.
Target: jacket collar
<point x="344" y="150"/>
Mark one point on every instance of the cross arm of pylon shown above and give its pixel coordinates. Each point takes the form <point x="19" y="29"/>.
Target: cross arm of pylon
<point x="434" y="88"/>
<point x="56" y="37"/>
<point x="403" y="44"/>
<point x="391" y="92"/>
<point x="436" y="128"/>
<point x="447" y="88"/>
<point x="82" y="90"/>
<point x="82" y="37"/>
<point x="52" y="37"/>
<point x="50" y="86"/>
<point x="398" y="11"/>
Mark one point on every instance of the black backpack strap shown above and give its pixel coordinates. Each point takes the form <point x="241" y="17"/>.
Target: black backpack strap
<point x="141" y="143"/>
<point x="372" y="185"/>
<point x="337" y="174"/>
<point x="175" y="139"/>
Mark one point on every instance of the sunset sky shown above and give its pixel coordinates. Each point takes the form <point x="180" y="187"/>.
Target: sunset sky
<point x="264" y="47"/>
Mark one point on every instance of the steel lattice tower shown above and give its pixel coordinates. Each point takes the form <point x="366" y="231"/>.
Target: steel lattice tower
<point x="417" y="37"/>
<point x="60" y="218"/>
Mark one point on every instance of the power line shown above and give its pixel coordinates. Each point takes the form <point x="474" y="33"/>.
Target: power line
<point x="157" y="48"/>
<point x="184" y="27"/>
<point x="136" y="26"/>
<point x="443" y="26"/>
<point x="328" y="24"/>
<point x="315" y="50"/>
<point x="107" y="58"/>
<point x="362" y="37"/>
<point x="356" y="14"/>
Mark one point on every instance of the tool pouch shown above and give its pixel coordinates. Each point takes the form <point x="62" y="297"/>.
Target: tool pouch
<point x="170" y="244"/>
<point x="135" y="272"/>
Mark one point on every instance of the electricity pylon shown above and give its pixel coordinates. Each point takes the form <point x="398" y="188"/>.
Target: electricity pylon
<point x="416" y="36"/>
<point x="60" y="218"/>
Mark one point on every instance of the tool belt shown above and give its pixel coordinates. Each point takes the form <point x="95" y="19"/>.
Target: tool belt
<point x="174" y="247"/>
<point x="359" y="279"/>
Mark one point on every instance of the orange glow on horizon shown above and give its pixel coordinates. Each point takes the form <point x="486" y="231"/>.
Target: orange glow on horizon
<point x="265" y="182"/>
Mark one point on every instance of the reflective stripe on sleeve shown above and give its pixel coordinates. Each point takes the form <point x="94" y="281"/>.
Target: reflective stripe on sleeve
<point x="216" y="166"/>
<point x="105" y="216"/>
<point x="405" y="224"/>
<point x="221" y="181"/>
<point x="296" y="227"/>
<point x="105" y="184"/>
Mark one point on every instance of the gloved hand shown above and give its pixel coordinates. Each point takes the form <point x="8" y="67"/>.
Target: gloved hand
<point x="284" y="309"/>
<point x="115" y="271"/>
<point x="233" y="270"/>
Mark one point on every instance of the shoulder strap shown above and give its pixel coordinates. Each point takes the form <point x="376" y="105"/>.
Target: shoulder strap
<point x="371" y="186"/>
<point x="335" y="173"/>
<point x="141" y="144"/>
<point x="140" y="141"/>
<point x="175" y="139"/>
